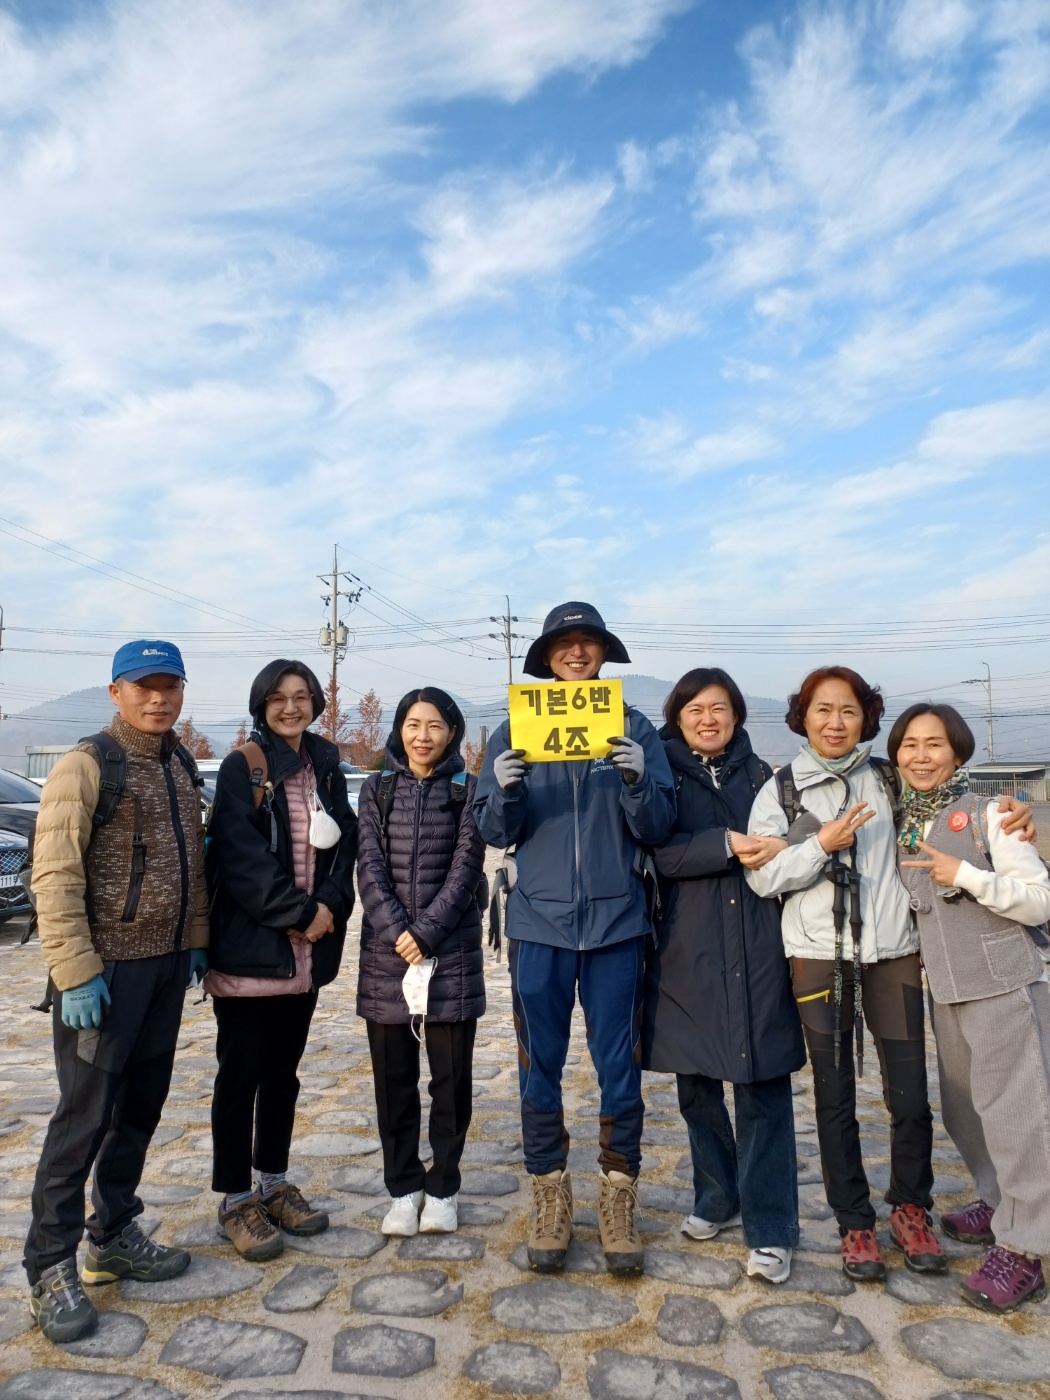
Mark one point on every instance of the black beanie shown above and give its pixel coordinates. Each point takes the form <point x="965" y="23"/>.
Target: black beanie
<point x="442" y="702"/>
<point x="269" y="678"/>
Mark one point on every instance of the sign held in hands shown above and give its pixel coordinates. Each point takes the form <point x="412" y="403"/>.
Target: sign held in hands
<point x="558" y="720"/>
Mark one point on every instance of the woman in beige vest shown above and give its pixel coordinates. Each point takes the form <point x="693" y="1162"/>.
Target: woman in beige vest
<point x="979" y="896"/>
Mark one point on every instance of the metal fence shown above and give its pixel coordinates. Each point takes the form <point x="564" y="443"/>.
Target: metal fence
<point x="1027" y="789"/>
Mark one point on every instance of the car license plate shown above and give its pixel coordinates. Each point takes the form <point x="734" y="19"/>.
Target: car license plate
<point x="7" y="880"/>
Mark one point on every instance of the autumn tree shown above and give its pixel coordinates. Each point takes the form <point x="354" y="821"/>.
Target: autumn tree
<point x="367" y="738"/>
<point x="334" y="721"/>
<point x="241" y="737"/>
<point x="198" y="744"/>
<point x="473" y="756"/>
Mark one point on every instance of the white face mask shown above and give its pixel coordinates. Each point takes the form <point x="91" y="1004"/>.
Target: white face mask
<point x="324" y="830"/>
<point x="415" y="987"/>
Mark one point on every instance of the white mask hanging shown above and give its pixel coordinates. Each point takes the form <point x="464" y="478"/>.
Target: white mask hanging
<point x="324" y="830"/>
<point x="415" y="987"/>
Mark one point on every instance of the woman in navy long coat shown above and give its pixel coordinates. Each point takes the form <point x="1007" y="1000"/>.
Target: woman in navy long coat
<point x="718" y="1003"/>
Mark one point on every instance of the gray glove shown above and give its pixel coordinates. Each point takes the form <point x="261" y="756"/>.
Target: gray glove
<point x="629" y="757"/>
<point x="510" y="768"/>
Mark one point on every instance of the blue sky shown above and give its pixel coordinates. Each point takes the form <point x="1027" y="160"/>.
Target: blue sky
<point x="731" y="317"/>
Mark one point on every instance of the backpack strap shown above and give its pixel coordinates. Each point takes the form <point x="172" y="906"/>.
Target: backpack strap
<point x="787" y="794"/>
<point x="890" y="778"/>
<point x="113" y="768"/>
<point x="385" y="794"/>
<point x="258" y="770"/>
<point x="758" y="772"/>
<point x="458" y="789"/>
<point x="182" y="753"/>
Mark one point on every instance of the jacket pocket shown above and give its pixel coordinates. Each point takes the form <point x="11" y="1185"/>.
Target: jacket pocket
<point x="1011" y="957"/>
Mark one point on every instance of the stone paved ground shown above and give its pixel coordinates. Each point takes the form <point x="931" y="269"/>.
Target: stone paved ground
<point x="351" y="1314"/>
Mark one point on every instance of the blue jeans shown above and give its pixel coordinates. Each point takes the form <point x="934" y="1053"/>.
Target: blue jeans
<point x="755" y="1174"/>
<point x="543" y="981"/>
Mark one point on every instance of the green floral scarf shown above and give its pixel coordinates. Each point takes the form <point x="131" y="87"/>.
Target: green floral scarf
<point x="922" y="807"/>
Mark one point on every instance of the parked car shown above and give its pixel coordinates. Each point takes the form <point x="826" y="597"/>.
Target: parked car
<point x="354" y="783"/>
<point x="19" y="803"/>
<point x="14" y="873"/>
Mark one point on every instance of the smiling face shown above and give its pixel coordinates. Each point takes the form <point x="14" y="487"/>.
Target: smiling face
<point x="926" y="757"/>
<point x="290" y="709"/>
<point x="151" y="704"/>
<point x="834" y="719"/>
<point x="426" y="735"/>
<point x="576" y="656"/>
<point x="707" y="721"/>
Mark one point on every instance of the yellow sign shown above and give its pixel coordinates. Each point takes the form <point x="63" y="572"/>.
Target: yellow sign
<point x="558" y="720"/>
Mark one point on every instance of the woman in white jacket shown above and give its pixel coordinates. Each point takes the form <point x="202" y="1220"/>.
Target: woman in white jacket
<point x="848" y="926"/>
<point x="980" y="897"/>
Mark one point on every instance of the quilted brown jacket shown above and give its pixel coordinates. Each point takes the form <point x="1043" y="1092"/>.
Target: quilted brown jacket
<point x="81" y="886"/>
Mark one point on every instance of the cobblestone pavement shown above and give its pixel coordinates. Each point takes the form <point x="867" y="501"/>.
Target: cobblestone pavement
<point x="348" y="1313"/>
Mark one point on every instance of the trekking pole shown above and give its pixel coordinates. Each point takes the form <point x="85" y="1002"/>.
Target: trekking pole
<point x="855" y="932"/>
<point x="839" y="876"/>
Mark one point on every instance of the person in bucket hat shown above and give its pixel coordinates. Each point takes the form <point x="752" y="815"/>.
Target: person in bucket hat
<point x="577" y="920"/>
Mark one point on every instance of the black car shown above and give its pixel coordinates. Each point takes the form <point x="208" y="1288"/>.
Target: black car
<point x="14" y="871"/>
<point x="19" y="803"/>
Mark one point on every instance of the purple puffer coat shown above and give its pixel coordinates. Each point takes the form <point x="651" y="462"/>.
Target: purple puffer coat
<point x="421" y="876"/>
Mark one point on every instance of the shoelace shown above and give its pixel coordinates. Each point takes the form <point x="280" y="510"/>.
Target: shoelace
<point x="618" y="1212"/>
<point x="254" y="1220"/>
<point x="917" y="1228"/>
<point x="975" y="1215"/>
<point x="861" y="1242"/>
<point x="550" y="1206"/>
<point x="66" y="1289"/>
<point x="141" y="1243"/>
<point x="1003" y="1268"/>
<point x="408" y="1202"/>
<point x="295" y="1199"/>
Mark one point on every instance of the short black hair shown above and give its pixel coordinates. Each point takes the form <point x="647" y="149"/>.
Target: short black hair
<point x="446" y="708"/>
<point x="868" y="698"/>
<point x="693" y="682"/>
<point x="960" y="735"/>
<point x="270" y="677"/>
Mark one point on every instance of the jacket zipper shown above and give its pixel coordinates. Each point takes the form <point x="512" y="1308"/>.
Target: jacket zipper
<point x="579" y="889"/>
<point x="180" y="841"/>
<point x="415" y="840"/>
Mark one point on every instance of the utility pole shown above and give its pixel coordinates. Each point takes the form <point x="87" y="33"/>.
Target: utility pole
<point x="507" y="637"/>
<point x="335" y="636"/>
<point x="986" y="681"/>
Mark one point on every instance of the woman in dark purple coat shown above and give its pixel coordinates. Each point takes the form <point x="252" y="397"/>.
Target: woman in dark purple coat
<point x="420" y="862"/>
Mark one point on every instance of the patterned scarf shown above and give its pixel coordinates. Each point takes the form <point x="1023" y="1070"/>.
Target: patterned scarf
<point x="922" y="807"/>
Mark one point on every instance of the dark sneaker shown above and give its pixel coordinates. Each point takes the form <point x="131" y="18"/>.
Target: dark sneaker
<point x="1004" y="1281"/>
<point x="912" y="1233"/>
<point x="970" y="1224"/>
<point x="60" y="1306"/>
<point x="251" y="1231"/>
<point x="133" y="1255"/>
<point x="288" y="1209"/>
<point x="860" y="1256"/>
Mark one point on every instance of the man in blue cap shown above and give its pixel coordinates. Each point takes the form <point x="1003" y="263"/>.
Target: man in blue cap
<point x="118" y="877"/>
<point x="578" y="918"/>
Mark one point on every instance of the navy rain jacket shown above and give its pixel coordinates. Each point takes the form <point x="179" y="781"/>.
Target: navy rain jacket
<point x="577" y="826"/>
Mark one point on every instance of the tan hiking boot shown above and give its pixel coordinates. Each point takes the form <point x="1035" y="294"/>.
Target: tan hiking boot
<point x="621" y="1243"/>
<point x="250" y="1231"/>
<point x="289" y="1210"/>
<point x="551" y="1222"/>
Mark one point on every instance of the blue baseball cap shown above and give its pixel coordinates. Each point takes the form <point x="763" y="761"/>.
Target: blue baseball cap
<point x="144" y="658"/>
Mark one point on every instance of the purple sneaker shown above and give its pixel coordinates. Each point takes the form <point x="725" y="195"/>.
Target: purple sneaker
<point x="1004" y="1281"/>
<point x="970" y="1224"/>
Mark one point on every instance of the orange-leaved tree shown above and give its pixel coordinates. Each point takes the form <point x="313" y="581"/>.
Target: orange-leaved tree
<point x="473" y="756"/>
<point x="366" y="739"/>
<point x="197" y="743"/>
<point x="241" y="737"/>
<point x="334" y="721"/>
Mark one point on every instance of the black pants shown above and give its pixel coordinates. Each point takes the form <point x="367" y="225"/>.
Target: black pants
<point x="259" y="1045"/>
<point x="112" y="1086"/>
<point x="395" y="1069"/>
<point x="891" y="995"/>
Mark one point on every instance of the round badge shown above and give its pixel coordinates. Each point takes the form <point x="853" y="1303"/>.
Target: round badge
<point x="958" y="821"/>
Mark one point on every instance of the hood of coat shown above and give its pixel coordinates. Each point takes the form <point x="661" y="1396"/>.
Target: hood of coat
<point x="683" y="760"/>
<point x="808" y="771"/>
<point x="450" y="763"/>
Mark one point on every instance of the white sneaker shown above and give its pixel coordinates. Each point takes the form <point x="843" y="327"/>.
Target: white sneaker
<point x="772" y="1264"/>
<point x="699" y="1229"/>
<point x="403" y="1216"/>
<point x="440" y="1215"/>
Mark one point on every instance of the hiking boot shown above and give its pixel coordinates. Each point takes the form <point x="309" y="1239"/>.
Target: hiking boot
<point x="910" y="1226"/>
<point x="60" y="1307"/>
<point x="402" y="1219"/>
<point x="697" y="1228"/>
<point x="621" y="1243"/>
<point x="1004" y="1281"/>
<point x="551" y="1222"/>
<point x="970" y="1224"/>
<point x="860" y="1256"/>
<point x="289" y="1210"/>
<point x="251" y="1231"/>
<point x="133" y="1255"/>
<point x="773" y="1264"/>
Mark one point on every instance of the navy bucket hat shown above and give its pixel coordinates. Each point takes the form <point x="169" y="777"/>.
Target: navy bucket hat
<point x="572" y="617"/>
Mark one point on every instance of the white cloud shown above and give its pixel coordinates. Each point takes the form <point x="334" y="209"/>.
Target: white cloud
<point x="667" y="447"/>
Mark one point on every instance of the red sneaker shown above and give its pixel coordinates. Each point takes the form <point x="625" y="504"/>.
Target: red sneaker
<point x="970" y="1224"/>
<point x="860" y="1256"/>
<point x="912" y="1234"/>
<point x="1004" y="1281"/>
